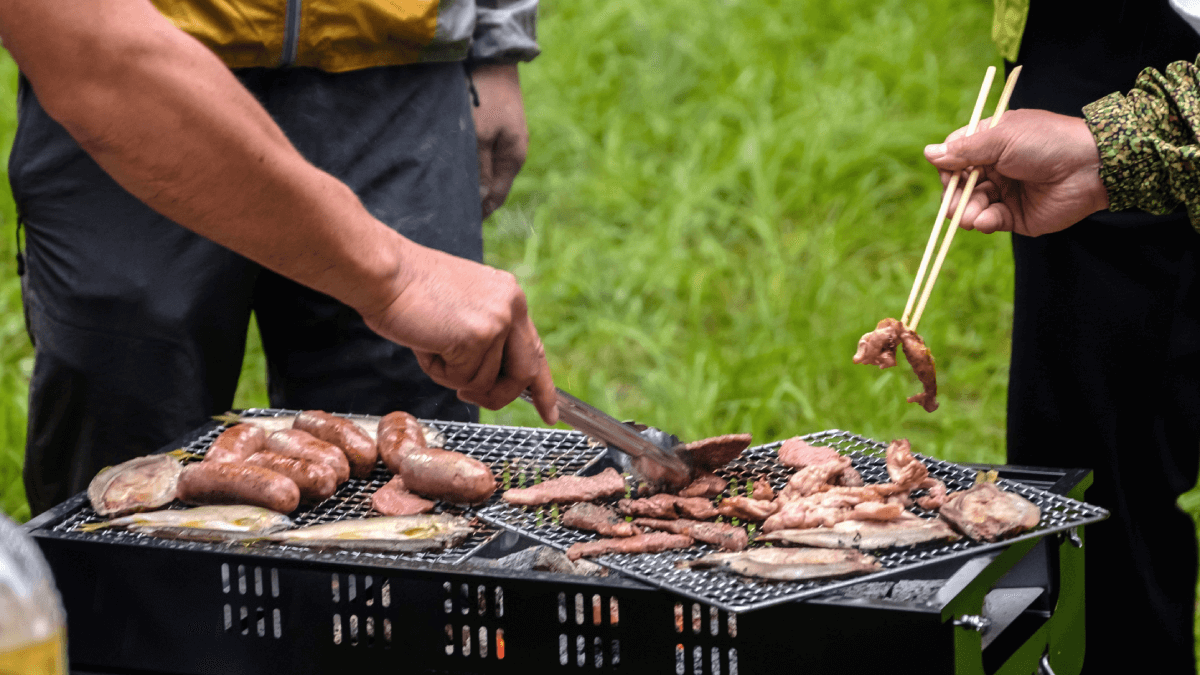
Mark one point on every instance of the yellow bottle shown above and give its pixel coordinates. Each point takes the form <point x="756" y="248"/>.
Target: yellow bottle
<point x="33" y="633"/>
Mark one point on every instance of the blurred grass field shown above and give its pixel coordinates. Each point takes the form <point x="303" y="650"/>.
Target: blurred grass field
<point x="720" y="198"/>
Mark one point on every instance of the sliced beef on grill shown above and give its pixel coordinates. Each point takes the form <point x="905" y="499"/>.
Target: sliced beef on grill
<point x="799" y="453"/>
<point x="394" y="499"/>
<point x="601" y="519"/>
<point x="746" y="508"/>
<point x="987" y="513"/>
<point x="706" y="484"/>
<point x="697" y="508"/>
<point x="643" y="543"/>
<point x="762" y="490"/>
<point x="710" y="454"/>
<point x="569" y="489"/>
<point x="812" y="478"/>
<point x="661" y="505"/>
<point x="728" y="537"/>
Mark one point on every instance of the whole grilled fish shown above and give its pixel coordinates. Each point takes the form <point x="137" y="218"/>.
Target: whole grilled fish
<point x="141" y="484"/>
<point x="384" y="534"/>
<point x="203" y="523"/>
<point x="788" y="564"/>
<point x="908" y="530"/>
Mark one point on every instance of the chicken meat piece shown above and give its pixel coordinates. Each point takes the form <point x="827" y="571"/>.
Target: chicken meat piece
<point x="936" y="495"/>
<point x="599" y="519"/>
<point x="987" y="513"/>
<point x="810" y="479"/>
<point x="746" y="508"/>
<point x="905" y="470"/>
<point x="761" y="489"/>
<point x="728" y="537"/>
<point x="651" y="542"/>
<point x="832" y="506"/>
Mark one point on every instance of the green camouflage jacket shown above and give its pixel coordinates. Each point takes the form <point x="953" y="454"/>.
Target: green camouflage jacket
<point x="1149" y="151"/>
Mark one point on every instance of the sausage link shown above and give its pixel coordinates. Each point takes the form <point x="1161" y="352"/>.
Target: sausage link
<point x="316" y="481"/>
<point x="226" y="483"/>
<point x="355" y="443"/>
<point x="236" y="443"/>
<point x="399" y="434"/>
<point x="447" y="475"/>
<point x="302" y="445"/>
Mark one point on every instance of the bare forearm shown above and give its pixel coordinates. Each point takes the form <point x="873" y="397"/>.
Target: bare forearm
<point x="172" y="125"/>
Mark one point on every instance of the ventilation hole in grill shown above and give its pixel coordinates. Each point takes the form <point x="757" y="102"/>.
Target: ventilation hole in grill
<point x="678" y="617"/>
<point x="385" y="594"/>
<point x="596" y="610"/>
<point x="274" y="583"/>
<point x="241" y="579"/>
<point x="696" y="618"/>
<point x="483" y="642"/>
<point x="731" y="626"/>
<point x="449" y="603"/>
<point x="449" y="639"/>
<point x="597" y="652"/>
<point x="258" y="584"/>
<point x="500" y="644"/>
<point x="354" y="630"/>
<point x="562" y="607"/>
<point x="481" y="600"/>
<point x="679" y="660"/>
<point x="277" y="620"/>
<point x="614" y="611"/>
<point x="562" y="649"/>
<point x="368" y="596"/>
<point x="370" y="628"/>
<point x="466" y="641"/>
<point x="616" y="653"/>
<point x="225" y="587"/>
<point x="713" y="623"/>
<point x="499" y="602"/>
<point x="698" y="660"/>
<point x="579" y="609"/>
<point x="387" y="632"/>
<point x="337" y="589"/>
<point x="464" y="594"/>
<point x="228" y="618"/>
<point x="733" y="668"/>
<point x="580" y="651"/>
<point x="260" y="621"/>
<point x="351" y="587"/>
<point x="244" y="615"/>
<point x="716" y="661"/>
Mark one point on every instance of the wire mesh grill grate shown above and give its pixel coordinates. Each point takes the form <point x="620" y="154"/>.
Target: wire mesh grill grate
<point x="738" y="594"/>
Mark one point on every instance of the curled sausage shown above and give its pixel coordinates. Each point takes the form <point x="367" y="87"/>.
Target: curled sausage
<point x="236" y="443"/>
<point x="316" y="481"/>
<point x="355" y="443"/>
<point x="228" y="483"/>
<point x="303" y="445"/>
<point x="399" y="434"/>
<point x="447" y="475"/>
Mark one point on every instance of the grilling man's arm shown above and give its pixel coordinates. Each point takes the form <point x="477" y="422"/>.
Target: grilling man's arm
<point x="167" y="120"/>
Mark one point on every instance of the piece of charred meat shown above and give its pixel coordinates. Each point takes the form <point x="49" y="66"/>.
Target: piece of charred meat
<point x="706" y="484"/>
<point x="599" y="519"/>
<point x="728" y="537"/>
<point x="652" y="542"/>
<point x="568" y="489"/>
<point x="987" y="513"/>
<point x="878" y="348"/>
<point x="710" y="454"/>
<point x="661" y="505"/>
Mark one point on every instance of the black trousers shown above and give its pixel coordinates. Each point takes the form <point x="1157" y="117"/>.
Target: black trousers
<point x="139" y="325"/>
<point x="1106" y="375"/>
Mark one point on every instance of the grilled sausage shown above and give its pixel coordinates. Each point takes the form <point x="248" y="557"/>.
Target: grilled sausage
<point x="227" y="483"/>
<point x="236" y="443"/>
<point x="316" y="481"/>
<point x="302" y="445"/>
<point x="446" y="475"/>
<point x="355" y="443"/>
<point x="399" y="434"/>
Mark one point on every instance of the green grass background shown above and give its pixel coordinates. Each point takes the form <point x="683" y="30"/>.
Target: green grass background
<point x="720" y="198"/>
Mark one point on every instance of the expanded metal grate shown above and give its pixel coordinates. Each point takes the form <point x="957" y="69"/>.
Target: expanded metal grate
<point x="519" y="453"/>
<point x="738" y="594"/>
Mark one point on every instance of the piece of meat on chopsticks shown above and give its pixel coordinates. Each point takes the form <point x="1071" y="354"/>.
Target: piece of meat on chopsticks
<point x="651" y="542"/>
<point x="600" y="519"/>
<point x="987" y="513"/>
<point x="728" y="537"/>
<point x="878" y="348"/>
<point x="568" y="489"/>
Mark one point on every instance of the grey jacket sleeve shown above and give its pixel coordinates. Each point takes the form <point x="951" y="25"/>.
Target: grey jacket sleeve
<point x="505" y="31"/>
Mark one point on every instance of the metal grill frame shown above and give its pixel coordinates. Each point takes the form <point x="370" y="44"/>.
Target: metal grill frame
<point x="733" y="593"/>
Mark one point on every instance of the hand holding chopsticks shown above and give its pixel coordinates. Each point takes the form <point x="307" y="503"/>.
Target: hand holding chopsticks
<point x="951" y="187"/>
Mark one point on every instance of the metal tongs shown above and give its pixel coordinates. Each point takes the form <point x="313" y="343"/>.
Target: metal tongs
<point x="654" y="463"/>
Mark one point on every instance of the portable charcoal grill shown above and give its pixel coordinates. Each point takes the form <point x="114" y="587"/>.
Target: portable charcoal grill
<point x="141" y="605"/>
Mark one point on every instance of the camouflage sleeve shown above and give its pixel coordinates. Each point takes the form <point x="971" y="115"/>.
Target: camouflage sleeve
<point x="1149" y="152"/>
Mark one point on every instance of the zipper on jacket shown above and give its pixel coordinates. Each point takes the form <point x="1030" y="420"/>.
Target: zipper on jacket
<point x="291" y="33"/>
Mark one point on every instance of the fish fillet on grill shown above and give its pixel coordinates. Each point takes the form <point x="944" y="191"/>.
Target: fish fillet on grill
<point x="906" y="530"/>
<point x="788" y="564"/>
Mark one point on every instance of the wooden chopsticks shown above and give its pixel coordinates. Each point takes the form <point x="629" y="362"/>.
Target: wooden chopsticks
<point x="1001" y="106"/>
